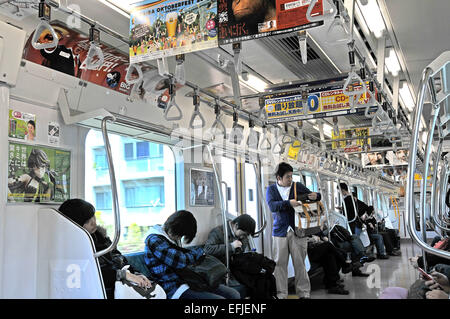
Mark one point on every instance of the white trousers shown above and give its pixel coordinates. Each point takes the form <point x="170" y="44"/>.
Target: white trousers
<point x="298" y="249"/>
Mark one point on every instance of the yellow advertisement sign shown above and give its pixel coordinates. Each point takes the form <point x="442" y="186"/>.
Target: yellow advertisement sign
<point x="353" y="145"/>
<point x="294" y="149"/>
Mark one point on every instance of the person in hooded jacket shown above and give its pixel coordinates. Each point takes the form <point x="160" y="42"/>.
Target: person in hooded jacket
<point x="111" y="264"/>
<point x="164" y="255"/>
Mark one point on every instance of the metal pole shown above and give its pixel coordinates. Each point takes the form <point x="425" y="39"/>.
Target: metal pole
<point x="115" y="197"/>
<point x="411" y="169"/>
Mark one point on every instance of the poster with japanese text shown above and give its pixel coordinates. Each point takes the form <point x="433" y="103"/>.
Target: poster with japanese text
<point x="70" y="55"/>
<point x="38" y="174"/>
<point x="241" y="20"/>
<point x="22" y="125"/>
<point x="171" y="27"/>
<point x="288" y="106"/>
<point x="355" y="139"/>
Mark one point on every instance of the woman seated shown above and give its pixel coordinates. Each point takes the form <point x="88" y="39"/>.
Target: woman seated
<point x="164" y="254"/>
<point x="112" y="263"/>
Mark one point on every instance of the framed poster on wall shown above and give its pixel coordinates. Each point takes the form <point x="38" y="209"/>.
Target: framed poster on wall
<point x="201" y="187"/>
<point x="38" y="174"/>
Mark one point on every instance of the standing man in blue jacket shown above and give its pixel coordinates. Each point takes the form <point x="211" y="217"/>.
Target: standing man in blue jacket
<point x="280" y="199"/>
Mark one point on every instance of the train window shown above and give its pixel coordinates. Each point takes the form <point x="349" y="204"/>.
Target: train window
<point x="145" y="184"/>
<point x="310" y="182"/>
<point x="296" y="178"/>
<point x="360" y="194"/>
<point x="251" y="198"/>
<point x="228" y="166"/>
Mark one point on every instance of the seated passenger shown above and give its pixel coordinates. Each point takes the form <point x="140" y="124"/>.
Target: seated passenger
<point x="164" y="254"/>
<point x="348" y="244"/>
<point x="372" y="229"/>
<point x="111" y="264"/>
<point x="432" y="259"/>
<point x="238" y="231"/>
<point x="322" y="252"/>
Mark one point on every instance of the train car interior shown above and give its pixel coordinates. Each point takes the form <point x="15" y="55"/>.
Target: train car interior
<point x="311" y="134"/>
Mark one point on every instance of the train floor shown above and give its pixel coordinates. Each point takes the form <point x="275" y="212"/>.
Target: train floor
<point x="393" y="272"/>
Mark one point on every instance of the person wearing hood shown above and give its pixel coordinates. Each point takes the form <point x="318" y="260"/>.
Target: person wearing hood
<point x="164" y="254"/>
<point x="112" y="263"/>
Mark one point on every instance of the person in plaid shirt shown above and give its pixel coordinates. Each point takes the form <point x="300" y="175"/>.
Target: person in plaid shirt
<point x="164" y="253"/>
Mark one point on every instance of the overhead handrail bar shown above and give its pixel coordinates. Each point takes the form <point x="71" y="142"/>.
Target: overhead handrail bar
<point x="114" y="194"/>
<point x="429" y="71"/>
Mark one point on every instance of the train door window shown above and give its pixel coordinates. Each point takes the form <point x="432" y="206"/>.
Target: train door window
<point x="228" y="172"/>
<point x="360" y="194"/>
<point x="310" y="182"/>
<point x="337" y="195"/>
<point x="297" y="178"/>
<point x="145" y="181"/>
<point x="251" y="193"/>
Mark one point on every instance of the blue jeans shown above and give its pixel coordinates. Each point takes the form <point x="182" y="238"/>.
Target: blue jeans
<point x="379" y="243"/>
<point x="222" y="292"/>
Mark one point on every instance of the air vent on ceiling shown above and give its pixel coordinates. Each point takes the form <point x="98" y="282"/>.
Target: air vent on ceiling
<point x="286" y="49"/>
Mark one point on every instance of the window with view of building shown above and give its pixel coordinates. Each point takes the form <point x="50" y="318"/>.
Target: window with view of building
<point x="145" y="174"/>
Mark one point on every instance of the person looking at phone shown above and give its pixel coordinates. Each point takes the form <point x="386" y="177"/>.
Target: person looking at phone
<point x="280" y="199"/>
<point x="440" y="283"/>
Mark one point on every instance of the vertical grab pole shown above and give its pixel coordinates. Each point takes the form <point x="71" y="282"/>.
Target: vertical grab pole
<point x="115" y="197"/>
<point x="325" y="206"/>
<point x="224" y="216"/>
<point x="410" y="216"/>
<point x="262" y="201"/>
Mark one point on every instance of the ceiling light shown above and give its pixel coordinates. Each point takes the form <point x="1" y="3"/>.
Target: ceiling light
<point x="327" y="129"/>
<point x="373" y="17"/>
<point x="406" y="96"/>
<point x="120" y="6"/>
<point x="392" y="63"/>
<point x="254" y="82"/>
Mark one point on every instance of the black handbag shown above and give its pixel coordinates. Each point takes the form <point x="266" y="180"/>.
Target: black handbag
<point x="206" y="274"/>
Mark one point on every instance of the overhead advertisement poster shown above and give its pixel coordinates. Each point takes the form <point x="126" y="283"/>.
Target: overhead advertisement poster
<point x="354" y="144"/>
<point x="241" y="20"/>
<point x="288" y="106"/>
<point x="38" y="174"/>
<point x="22" y="125"/>
<point x="71" y="53"/>
<point x="385" y="158"/>
<point x="171" y="27"/>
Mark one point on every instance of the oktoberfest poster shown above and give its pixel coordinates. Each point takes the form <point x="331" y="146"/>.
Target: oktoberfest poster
<point x="171" y="27"/>
<point x="38" y="174"/>
<point x="70" y="55"/>
<point x="354" y="144"/>
<point x="241" y="20"/>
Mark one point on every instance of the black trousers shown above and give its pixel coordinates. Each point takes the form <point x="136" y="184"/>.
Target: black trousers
<point x="329" y="258"/>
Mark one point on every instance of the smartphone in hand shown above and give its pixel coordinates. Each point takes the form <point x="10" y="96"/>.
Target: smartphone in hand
<point x="424" y="274"/>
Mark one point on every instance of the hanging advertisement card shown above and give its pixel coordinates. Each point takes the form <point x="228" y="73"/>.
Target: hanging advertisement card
<point x="294" y="149"/>
<point x="167" y="28"/>
<point x="241" y="20"/>
<point x="22" y="125"/>
<point x="38" y="174"/>
<point x="288" y="106"/>
<point x="355" y="144"/>
<point x="70" y="55"/>
<point x="375" y="159"/>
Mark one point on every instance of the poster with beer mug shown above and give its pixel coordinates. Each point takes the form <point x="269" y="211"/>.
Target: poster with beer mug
<point x="166" y="28"/>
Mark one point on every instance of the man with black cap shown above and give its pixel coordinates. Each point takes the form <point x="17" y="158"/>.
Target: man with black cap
<point x="111" y="264"/>
<point x="238" y="231"/>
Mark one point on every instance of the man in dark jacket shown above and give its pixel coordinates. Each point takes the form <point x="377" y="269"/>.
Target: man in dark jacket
<point x="111" y="264"/>
<point x="238" y="231"/>
<point x="280" y="198"/>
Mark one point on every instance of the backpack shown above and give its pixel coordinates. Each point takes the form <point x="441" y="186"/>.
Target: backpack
<point x="340" y="234"/>
<point x="255" y="272"/>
